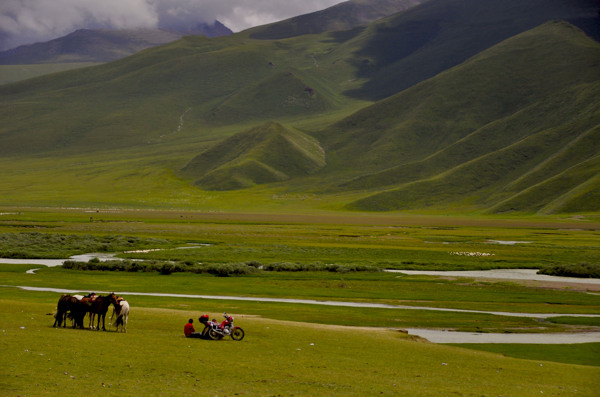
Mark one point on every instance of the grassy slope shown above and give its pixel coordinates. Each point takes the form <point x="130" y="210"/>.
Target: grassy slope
<point x="444" y="33"/>
<point x="583" y="354"/>
<point x="142" y="98"/>
<point x="267" y="153"/>
<point x="492" y="134"/>
<point x="110" y="132"/>
<point x="146" y="116"/>
<point x="274" y="358"/>
<point x="14" y="73"/>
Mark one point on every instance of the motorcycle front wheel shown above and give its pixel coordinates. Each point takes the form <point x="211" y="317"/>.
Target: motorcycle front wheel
<point x="214" y="335"/>
<point x="237" y="334"/>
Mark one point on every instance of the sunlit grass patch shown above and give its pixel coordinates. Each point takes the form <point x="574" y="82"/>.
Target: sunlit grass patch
<point x="275" y="358"/>
<point x="581" y="354"/>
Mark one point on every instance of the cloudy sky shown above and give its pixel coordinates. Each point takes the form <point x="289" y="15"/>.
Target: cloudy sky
<point x="30" y="21"/>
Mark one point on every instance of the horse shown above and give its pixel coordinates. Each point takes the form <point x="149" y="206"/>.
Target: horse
<point x="87" y="305"/>
<point x="78" y="310"/>
<point x="69" y="307"/>
<point x="100" y="306"/>
<point x="122" y="311"/>
<point x="76" y="307"/>
<point x="62" y="307"/>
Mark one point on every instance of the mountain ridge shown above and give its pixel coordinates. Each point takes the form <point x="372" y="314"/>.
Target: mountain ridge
<point x="571" y="116"/>
<point x="102" y="45"/>
<point x="435" y="28"/>
<point x="342" y="16"/>
<point x="512" y="128"/>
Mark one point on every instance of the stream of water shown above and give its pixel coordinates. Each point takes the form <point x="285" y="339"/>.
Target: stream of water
<point x="436" y="336"/>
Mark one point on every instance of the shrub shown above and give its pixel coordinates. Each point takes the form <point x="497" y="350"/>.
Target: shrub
<point x="52" y="245"/>
<point x="217" y="269"/>
<point x="580" y="270"/>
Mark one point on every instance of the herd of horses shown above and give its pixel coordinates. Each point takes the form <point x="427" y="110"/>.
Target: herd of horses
<point x="76" y="307"/>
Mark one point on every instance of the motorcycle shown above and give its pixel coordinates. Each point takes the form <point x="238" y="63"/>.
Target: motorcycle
<point x="226" y="328"/>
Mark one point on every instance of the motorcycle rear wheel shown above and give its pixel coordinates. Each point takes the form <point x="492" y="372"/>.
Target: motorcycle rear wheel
<point x="214" y="335"/>
<point x="237" y="334"/>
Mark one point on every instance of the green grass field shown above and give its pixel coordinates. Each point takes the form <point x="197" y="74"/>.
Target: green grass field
<point x="273" y="161"/>
<point x="293" y="348"/>
<point x="275" y="358"/>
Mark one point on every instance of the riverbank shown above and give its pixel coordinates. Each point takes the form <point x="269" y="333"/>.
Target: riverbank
<point x="435" y="336"/>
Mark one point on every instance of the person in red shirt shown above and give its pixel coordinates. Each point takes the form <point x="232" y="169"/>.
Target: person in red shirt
<point x="189" y="330"/>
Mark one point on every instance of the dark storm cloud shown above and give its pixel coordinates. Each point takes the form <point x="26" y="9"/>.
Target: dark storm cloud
<point x="27" y="21"/>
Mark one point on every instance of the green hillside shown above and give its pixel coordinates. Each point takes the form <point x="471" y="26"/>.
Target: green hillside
<point x="142" y="99"/>
<point x="13" y="73"/>
<point x="264" y="154"/>
<point x="467" y="139"/>
<point x="128" y="102"/>
<point x="413" y="46"/>
<point x="210" y="122"/>
<point x="279" y="93"/>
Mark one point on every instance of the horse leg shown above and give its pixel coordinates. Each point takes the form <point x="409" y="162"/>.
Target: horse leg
<point x="103" y="321"/>
<point x="58" y="320"/>
<point x="119" y="323"/>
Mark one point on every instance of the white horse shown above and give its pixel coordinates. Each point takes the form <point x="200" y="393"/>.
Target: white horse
<point x="122" y="314"/>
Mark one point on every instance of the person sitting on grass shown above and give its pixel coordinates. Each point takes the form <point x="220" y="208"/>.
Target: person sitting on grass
<point x="189" y="330"/>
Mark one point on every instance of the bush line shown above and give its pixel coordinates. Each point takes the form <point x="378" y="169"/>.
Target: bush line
<point x="580" y="270"/>
<point x="221" y="270"/>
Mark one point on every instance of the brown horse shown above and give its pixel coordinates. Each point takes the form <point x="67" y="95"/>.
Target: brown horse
<point x="87" y="303"/>
<point x="76" y="309"/>
<point x="100" y="306"/>
<point x="62" y="307"/>
<point x="69" y="306"/>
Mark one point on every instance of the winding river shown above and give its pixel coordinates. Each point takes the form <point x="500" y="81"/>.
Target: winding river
<point x="435" y="336"/>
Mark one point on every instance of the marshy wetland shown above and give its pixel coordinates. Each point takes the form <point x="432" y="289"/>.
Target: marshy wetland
<point x="353" y="341"/>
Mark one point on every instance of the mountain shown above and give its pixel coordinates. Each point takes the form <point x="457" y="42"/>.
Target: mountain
<point x="515" y="127"/>
<point x="410" y="47"/>
<point x="343" y="16"/>
<point x="267" y="153"/>
<point x="217" y="29"/>
<point x="101" y="45"/>
<point x="512" y="127"/>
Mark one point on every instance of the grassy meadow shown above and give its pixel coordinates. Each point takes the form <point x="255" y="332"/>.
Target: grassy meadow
<point x="275" y="358"/>
<point x="294" y="348"/>
<point x="277" y="167"/>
